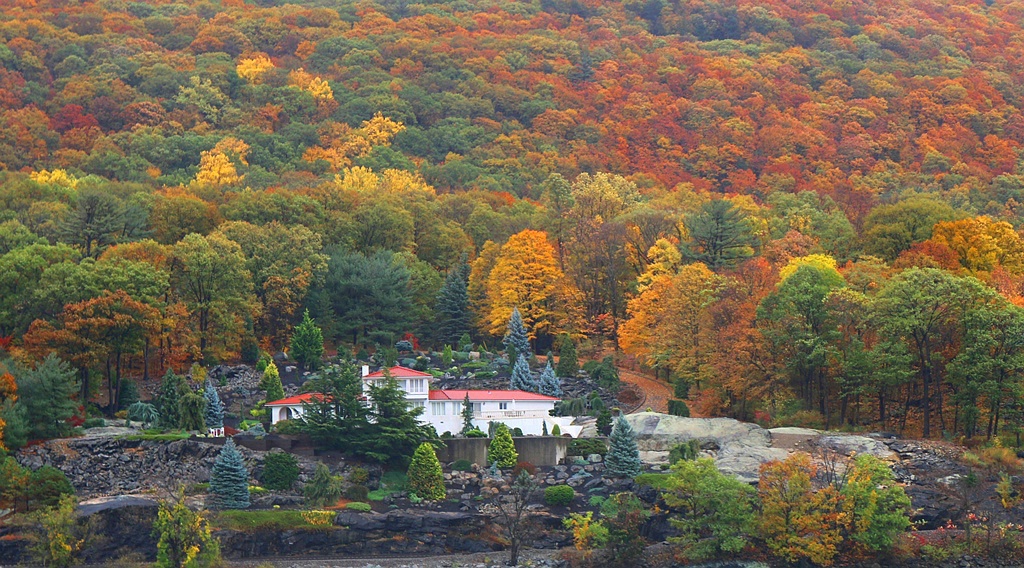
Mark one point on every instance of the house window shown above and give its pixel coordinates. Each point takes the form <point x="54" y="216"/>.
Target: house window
<point x="456" y="408"/>
<point x="416" y="385"/>
<point x="437" y="408"/>
<point x="502" y="406"/>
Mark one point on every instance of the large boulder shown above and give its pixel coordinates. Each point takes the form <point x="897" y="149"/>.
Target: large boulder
<point x="657" y="432"/>
<point x="744" y="462"/>
<point x="856" y="445"/>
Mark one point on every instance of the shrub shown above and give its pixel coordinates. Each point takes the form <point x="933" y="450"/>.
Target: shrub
<point x="280" y="470"/>
<point x="678" y="408"/>
<point x="404" y="345"/>
<point x="319" y="518"/>
<point x="586" y="446"/>
<point x="425" y="476"/>
<point x="361" y="507"/>
<point x="357" y="493"/>
<point x="94" y="423"/>
<point x="556" y="430"/>
<point x="558" y="495"/>
<point x="502" y="450"/>
<point x="688" y="450"/>
<point x="462" y="465"/>
<point x="517" y="432"/>
<point x="719" y="509"/>
<point x="358" y="475"/>
<point x="524" y="466"/>
<point x="323" y="489"/>
<point x="46" y="486"/>
<point x="288" y="427"/>
<point x="476" y="433"/>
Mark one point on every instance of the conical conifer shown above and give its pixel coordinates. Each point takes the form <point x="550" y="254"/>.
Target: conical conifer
<point x="214" y="407"/>
<point x="549" y="383"/>
<point x="229" y="480"/>
<point x="516" y="341"/>
<point x="623" y="459"/>
<point x="522" y="379"/>
<point x="502" y="450"/>
<point x="171" y="388"/>
<point x="453" y="315"/>
<point x="426" y="479"/>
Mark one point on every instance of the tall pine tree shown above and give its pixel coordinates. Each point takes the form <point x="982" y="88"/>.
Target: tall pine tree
<point x="307" y="345"/>
<point x="229" y="479"/>
<point x="214" y="407"/>
<point x="623" y="459"/>
<point x="720" y="235"/>
<point x="568" y="362"/>
<point x="271" y="383"/>
<point x="467" y="416"/>
<point x="171" y="388"/>
<point x="454" y="318"/>
<point x="516" y="341"/>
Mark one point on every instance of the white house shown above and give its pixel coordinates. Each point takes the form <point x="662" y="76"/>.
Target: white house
<point x="442" y="409"/>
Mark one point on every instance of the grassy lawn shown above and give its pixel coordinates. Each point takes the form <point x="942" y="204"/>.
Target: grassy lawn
<point x="391" y="482"/>
<point x="273" y="519"/>
<point x="158" y="436"/>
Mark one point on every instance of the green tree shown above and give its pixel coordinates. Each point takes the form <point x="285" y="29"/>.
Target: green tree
<point x="184" y="537"/>
<point x="720" y="235"/>
<point x="58" y="542"/>
<point x="892" y="228"/>
<point x="367" y="298"/>
<point x="918" y="305"/>
<point x="95" y="221"/>
<point x="323" y="489"/>
<point x="271" y="383"/>
<point x="516" y="341"/>
<point x="280" y="471"/>
<point x="307" y="345"/>
<point x="502" y="450"/>
<point x="229" y="479"/>
<point x="454" y="317"/>
<point x="876" y="506"/>
<point x="395" y="431"/>
<point x="143" y="412"/>
<point x="623" y="459"/>
<point x="716" y="511"/>
<point x="447" y="356"/>
<point x="467" y="416"/>
<point x="209" y="275"/>
<point x="46" y="392"/>
<point x="169" y="399"/>
<point x="214" y="414"/>
<point x="192" y="411"/>
<point x="568" y="362"/>
<point x="335" y="415"/>
<point x="426" y="479"/>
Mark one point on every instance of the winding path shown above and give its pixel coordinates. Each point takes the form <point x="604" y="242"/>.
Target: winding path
<point x="657" y="392"/>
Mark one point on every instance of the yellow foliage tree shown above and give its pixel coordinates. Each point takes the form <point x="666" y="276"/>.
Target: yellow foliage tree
<point x="312" y="84"/>
<point x="216" y="167"/>
<point x="55" y="177"/>
<point x="982" y="244"/>
<point x="252" y="68"/>
<point x="526" y="275"/>
<point x="8" y="396"/>
<point x="339" y="143"/>
<point x="796" y="521"/>
<point x="668" y="327"/>
<point x="820" y="261"/>
<point x="665" y="259"/>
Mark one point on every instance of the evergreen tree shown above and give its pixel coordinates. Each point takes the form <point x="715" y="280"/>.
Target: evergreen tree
<point x="335" y="416"/>
<point x="467" y="416"/>
<point x="169" y="399"/>
<point x="307" y="345"/>
<point x="128" y="394"/>
<point x="568" y="363"/>
<point x="549" y="383"/>
<point x="522" y="379"/>
<point x="143" y="412"/>
<point x="229" y="479"/>
<point x="323" y="489"/>
<point x="516" y="341"/>
<point x="454" y="318"/>
<point x="192" y="412"/>
<point x="544" y="428"/>
<point x="556" y="430"/>
<point x="720" y="235"/>
<point x="46" y="393"/>
<point x="395" y="430"/>
<point x="623" y="459"/>
<point x="502" y="450"/>
<point x="271" y="383"/>
<point x="426" y="479"/>
<point x="214" y="414"/>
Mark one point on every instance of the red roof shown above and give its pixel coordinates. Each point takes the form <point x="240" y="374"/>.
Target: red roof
<point x="485" y="395"/>
<point x="399" y="372"/>
<point x="293" y="400"/>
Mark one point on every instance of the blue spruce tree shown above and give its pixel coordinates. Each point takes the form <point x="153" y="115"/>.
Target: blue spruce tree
<point x="214" y="407"/>
<point x="623" y="459"/>
<point x="549" y="383"/>
<point x="522" y="379"/>
<point x="229" y="480"/>
<point x="516" y="342"/>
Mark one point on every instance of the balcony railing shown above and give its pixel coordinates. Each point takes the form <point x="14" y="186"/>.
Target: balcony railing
<point x="492" y="414"/>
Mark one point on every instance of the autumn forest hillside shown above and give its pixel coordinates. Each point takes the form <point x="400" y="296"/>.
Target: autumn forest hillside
<point x="799" y="212"/>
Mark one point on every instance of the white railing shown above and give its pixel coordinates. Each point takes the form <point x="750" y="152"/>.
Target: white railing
<point x="492" y="414"/>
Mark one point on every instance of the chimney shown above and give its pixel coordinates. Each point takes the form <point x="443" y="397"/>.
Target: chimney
<point x="366" y="370"/>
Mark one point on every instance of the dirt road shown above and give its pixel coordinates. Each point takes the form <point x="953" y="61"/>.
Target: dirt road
<point x="657" y="392"/>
